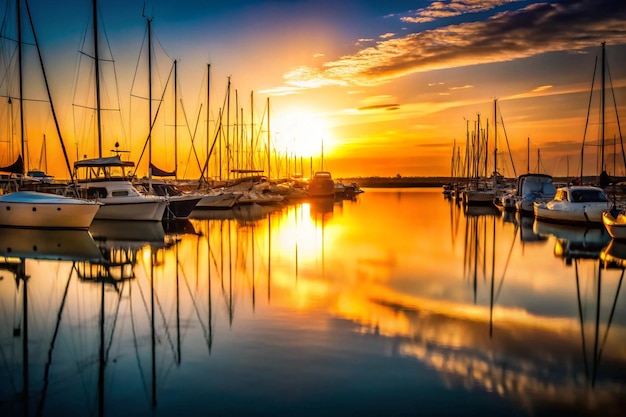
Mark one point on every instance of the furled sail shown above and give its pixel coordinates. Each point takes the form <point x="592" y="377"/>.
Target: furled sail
<point x="16" y="167"/>
<point x="157" y="172"/>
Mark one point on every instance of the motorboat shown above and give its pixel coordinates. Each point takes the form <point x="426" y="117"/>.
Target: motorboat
<point x="104" y="180"/>
<point x="42" y="210"/>
<point x="615" y="223"/>
<point x="531" y="188"/>
<point x="574" y="204"/>
<point x="321" y="185"/>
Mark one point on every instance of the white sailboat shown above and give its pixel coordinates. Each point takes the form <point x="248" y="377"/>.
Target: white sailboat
<point x="104" y="179"/>
<point x="37" y="209"/>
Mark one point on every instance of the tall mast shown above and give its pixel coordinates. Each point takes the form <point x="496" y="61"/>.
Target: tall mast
<point x="602" y="105"/>
<point x="208" y="95"/>
<point x="21" y="83"/>
<point x="269" y="158"/>
<point x="252" y="129"/>
<point x="175" y="119"/>
<point x="495" y="142"/>
<point x="149" y="22"/>
<point x="96" y="58"/>
<point x="528" y="155"/>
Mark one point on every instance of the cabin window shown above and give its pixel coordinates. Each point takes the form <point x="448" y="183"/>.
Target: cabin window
<point x="588" y="196"/>
<point x="120" y="193"/>
<point x="96" y="192"/>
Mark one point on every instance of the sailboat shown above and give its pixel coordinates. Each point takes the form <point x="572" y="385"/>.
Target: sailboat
<point x="179" y="205"/>
<point x="33" y="208"/>
<point x="479" y="191"/>
<point x="581" y="203"/>
<point x="104" y="179"/>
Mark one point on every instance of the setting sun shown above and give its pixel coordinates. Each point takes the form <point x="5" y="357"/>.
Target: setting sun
<point x="300" y="133"/>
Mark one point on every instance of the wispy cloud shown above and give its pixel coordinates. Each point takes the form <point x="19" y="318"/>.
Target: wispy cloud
<point x="387" y="35"/>
<point x="571" y="25"/>
<point x="463" y="87"/>
<point x="541" y="88"/>
<point x="450" y="8"/>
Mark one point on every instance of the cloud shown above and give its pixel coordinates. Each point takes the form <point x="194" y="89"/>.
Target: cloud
<point x="541" y="88"/>
<point x="571" y="25"/>
<point x="380" y="107"/>
<point x="450" y="8"/>
<point x="387" y="35"/>
<point x="463" y="87"/>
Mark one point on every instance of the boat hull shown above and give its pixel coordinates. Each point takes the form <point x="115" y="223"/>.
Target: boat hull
<point x="574" y="213"/>
<point x="127" y="208"/>
<point x="180" y="206"/>
<point x="478" y="198"/>
<point x="36" y="210"/>
<point x="218" y="201"/>
<point x="615" y="225"/>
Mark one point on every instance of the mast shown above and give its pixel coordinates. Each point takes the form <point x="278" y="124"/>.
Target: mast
<point x="208" y="95"/>
<point x="602" y="106"/>
<point x="228" y="133"/>
<point x="97" y="76"/>
<point x="149" y="22"/>
<point x="175" y="119"/>
<point x="21" y="83"/>
<point x="495" y="143"/>
<point x="252" y="129"/>
<point x="528" y="155"/>
<point x="269" y="157"/>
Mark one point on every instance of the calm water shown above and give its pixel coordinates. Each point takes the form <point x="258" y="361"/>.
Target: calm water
<point x="398" y="303"/>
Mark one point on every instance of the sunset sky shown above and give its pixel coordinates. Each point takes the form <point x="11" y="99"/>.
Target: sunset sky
<point x="386" y="86"/>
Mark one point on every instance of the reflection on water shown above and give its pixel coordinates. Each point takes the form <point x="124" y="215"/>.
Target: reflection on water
<point x="397" y="300"/>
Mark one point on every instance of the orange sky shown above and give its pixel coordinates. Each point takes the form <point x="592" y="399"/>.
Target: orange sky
<point x="386" y="87"/>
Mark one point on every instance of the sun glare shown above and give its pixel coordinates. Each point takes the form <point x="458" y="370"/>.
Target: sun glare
<point x="300" y="133"/>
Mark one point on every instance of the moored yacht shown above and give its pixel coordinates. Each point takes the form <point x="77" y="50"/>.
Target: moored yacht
<point x="104" y="180"/>
<point x="321" y="185"/>
<point x="42" y="210"/>
<point x="574" y="204"/>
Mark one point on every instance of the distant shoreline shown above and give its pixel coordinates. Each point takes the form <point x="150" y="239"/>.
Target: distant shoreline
<point x="418" y="182"/>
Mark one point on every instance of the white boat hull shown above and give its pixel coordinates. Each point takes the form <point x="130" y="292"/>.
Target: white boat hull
<point x="218" y="201"/>
<point x="132" y="208"/>
<point x="39" y="210"/>
<point x="616" y="226"/>
<point x="589" y="212"/>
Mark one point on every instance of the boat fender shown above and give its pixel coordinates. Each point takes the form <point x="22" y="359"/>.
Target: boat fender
<point x="585" y="213"/>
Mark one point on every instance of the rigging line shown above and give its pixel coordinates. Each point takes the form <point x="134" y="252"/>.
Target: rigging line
<point x="582" y="152"/>
<point x="135" y="344"/>
<point x="116" y="315"/>
<point x="608" y="325"/>
<point x="46" y="374"/>
<point x="45" y="77"/>
<point x="619" y="129"/>
<point x="508" y="258"/>
<point x="215" y="138"/>
<point x="145" y="145"/>
<point x="192" y="136"/>
<point x="582" y="322"/>
<point x="93" y="57"/>
<point x="143" y="42"/>
<point x="166" y="328"/>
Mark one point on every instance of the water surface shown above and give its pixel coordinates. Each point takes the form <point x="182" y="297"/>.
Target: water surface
<point x="397" y="303"/>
